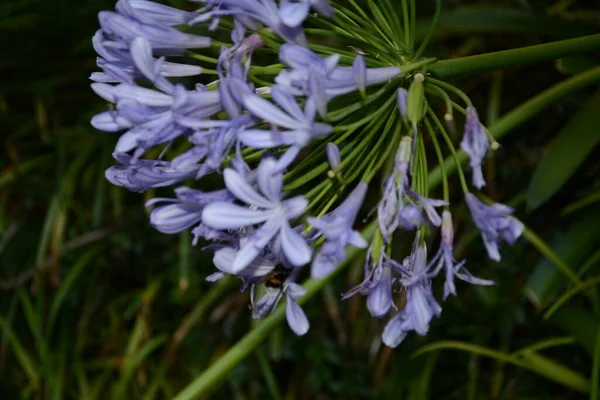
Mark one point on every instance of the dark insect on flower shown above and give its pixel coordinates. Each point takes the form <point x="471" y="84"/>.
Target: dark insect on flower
<point x="276" y="278"/>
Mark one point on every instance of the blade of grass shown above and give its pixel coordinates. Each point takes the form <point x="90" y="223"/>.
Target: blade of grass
<point x="67" y="284"/>
<point x="529" y="360"/>
<point x="29" y="366"/>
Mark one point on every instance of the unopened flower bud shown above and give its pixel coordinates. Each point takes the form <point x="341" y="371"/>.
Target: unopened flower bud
<point x="416" y="99"/>
<point x="401" y="99"/>
<point x="447" y="228"/>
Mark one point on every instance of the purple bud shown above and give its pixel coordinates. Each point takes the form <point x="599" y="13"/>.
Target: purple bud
<point x="402" y="100"/>
<point x="475" y="143"/>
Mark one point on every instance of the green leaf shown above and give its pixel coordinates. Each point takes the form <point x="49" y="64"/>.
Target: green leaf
<point x="578" y="323"/>
<point x="572" y="246"/>
<point x="29" y="366"/>
<point x="554" y="371"/>
<point x="568" y="151"/>
<point x="527" y="359"/>
<point x="67" y="284"/>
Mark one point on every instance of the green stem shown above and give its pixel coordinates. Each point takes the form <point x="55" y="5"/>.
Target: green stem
<point x="452" y="89"/>
<point x="219" y="370"/>
<point x="431" y="30"/>
<point x="453" y="152"/>
<point x="440" y="157"/>
<point x="515" y="57"/>
<point x="523" y="113"/>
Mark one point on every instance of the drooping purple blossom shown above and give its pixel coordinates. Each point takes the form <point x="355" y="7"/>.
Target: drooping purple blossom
<point x="495" y="223"/>
<point x="376" y="285"/>
<point x="336" y="227"/>
<point x="267" y="210"/>
<point x="475" y="143"/>
<point x="445" y="260"/>
<point x="394" y="188"/>
<point x="420" y="306"/>
<point x="410" y="217"/>
<point x="428" y="206"/>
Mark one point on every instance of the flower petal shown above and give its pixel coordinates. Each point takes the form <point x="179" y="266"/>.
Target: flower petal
<point x="243" y="191"/>
<point x="269" y="182"/>
<point x="394" y="332"/>
<point x="222" y="215"/>
<point x="293" y="14"/>
<point x="294" y="246"/>
<point x="295" y="317"/>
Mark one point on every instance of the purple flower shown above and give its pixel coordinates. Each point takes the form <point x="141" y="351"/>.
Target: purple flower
<point x="147" y="22"/>
<point x="420" y="306"/>
<point x="185" y="211"/>
<point x="428" y="206"/>
<point x="495" y="223"/>
<point x="337" y="229"/>
<point x="394" y="188"/>
<point x="124" y="26"/>
<point x="475" y="143"/>
<point x="295" y="316"/>
<point x="379" y="299"/>
<point x="252" y="274"/>
<point x="410" y="217"/>
<point x="285" y="21"/>
<point x="150" y="12"/>
<point x="321" y="79"/>
<point x="300" y="126"/>
<point x="267" y="209"/>
<point x="377" y="284"/>
<point x="118" y="65"/>
<point x="154" y="117"/>
<point x="446" y="261"/>
<point x="145" y="174"/>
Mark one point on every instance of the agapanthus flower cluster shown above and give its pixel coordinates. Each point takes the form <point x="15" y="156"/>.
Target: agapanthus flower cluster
<point x="299" y="134"/>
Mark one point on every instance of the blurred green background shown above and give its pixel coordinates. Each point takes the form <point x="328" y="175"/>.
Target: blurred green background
<point x="95" y="304"/>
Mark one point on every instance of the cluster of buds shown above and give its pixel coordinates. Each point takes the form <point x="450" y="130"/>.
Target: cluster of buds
<point x="300" y="140"/>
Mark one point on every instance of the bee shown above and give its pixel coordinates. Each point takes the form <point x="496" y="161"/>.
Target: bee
<point x="276" y="278"/>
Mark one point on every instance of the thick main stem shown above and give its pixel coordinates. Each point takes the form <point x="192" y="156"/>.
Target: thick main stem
<point x="514" y="57"/>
